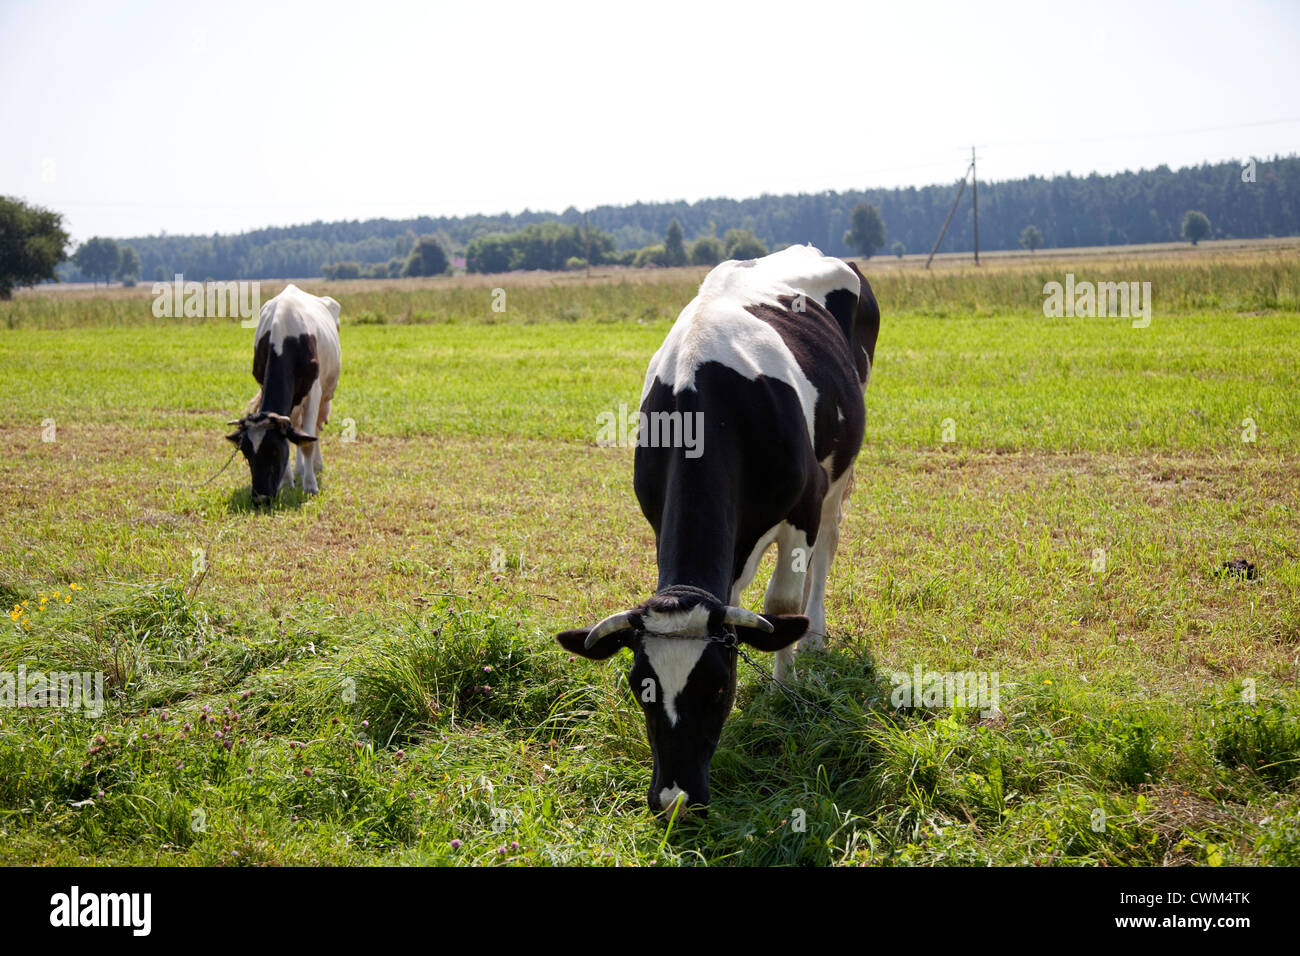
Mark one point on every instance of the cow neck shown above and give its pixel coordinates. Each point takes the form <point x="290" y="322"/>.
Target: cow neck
<point x="277" y="387"/>
<point x="696" y="543"/>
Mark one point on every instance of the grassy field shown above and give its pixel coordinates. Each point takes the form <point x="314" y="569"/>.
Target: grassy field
<point x="368" y="676"/>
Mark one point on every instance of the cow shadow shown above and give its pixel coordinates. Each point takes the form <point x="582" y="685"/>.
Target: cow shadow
<point x="241" y="502"/>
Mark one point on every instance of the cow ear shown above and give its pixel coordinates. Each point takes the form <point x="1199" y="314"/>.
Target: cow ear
<point x="235" y="437"/>
<point x="297" y="437"/>
<point x="786" y="629"/>
<point x="575" y="641"/>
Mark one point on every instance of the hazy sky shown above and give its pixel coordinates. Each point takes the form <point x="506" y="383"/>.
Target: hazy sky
<point x="137" y="117"/>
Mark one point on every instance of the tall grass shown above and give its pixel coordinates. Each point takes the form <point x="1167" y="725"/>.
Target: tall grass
<point x="1230" y="282"/>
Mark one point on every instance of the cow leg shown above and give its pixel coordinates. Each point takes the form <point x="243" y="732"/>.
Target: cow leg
<point x="828" y="539"/>
<point x="305" y="466"/>
<point x="786" y="589"/>
<point x="318" y="463"/>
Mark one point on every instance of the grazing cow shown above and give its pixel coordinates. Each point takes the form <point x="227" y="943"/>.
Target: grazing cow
<point x="768" y="364"/>
<point x="297" y="363"/>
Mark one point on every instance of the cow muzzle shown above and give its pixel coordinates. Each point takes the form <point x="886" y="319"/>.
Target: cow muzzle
<point x="674" y="799"/>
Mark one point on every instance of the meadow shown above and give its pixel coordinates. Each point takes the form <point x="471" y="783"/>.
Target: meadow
<point x="369" y="676"/>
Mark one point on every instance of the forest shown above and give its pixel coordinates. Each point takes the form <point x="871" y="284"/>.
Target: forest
<point x="1241" y="200"/>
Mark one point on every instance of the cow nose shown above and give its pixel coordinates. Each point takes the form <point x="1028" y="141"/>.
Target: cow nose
<point x="669" y="797"/>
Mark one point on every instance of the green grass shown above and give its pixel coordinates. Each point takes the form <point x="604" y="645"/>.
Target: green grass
<point x="368" y="676"/>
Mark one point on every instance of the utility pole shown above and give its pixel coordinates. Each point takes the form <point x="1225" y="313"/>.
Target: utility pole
<point x="975" y="203"/>
<point x="944" y="230"/>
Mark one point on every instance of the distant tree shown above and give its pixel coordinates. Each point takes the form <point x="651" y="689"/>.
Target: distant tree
<point x="1031" y="238"/>
<point x="866" y="231"/>
<point x="743" y="244"/>
<point x="544" y="245"/>
<point x="707" y="251"/>
<point x="159" y="274"/>
<point x="651" y="256"/>
<point x="395" y="267"/>
<point x="128" y="266"/>
<point x="32" y="243"/>
<point x="575" y="264"/>
<point x="428" y="258"/>
<point x="897" y="248"/>
<point x="98" y="258"/>
<point x="1196" y="226"/>
<point x="342" y="270"/>
<point x="674" y="245"/>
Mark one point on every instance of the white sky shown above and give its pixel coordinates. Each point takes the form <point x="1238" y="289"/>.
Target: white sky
<point x="205" y="117"/>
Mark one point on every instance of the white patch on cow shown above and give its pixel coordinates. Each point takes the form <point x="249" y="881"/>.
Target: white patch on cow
<point x="690" y="623"/>
<point x="672" y="659"/>
<point x="715" y="326"/>
<point x="255" y="435"/>
<point x="670" y="795"/>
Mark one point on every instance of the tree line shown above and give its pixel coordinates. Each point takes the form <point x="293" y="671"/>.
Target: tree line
<point x="1238" y="201"/>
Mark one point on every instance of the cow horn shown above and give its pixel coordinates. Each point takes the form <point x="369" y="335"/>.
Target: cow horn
<point x="235" y="421"/>
<point x="615" y="622"/>
<point x="743" y="618"/>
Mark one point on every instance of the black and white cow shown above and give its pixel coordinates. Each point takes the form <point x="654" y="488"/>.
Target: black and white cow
<point x="297" y="363"/>
<point x="771" y="360"/>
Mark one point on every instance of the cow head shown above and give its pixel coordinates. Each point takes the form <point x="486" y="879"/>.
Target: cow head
<point x="264" y="439"/>
<point x="684" y="643"/>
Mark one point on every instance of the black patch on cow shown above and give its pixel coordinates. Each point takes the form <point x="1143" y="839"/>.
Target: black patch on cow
<point x="286" y="376"/>
<point x="260" y="356"/>
<point x="866" y="322"/>
<point x="819" y="344"/>
<point x="843" y="307"/>
<point x="757" y="469"/>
